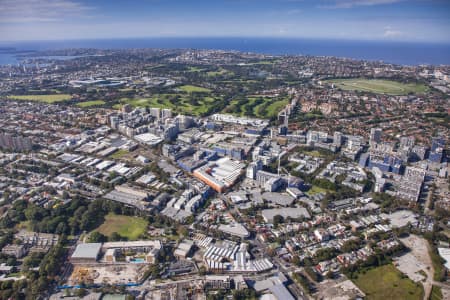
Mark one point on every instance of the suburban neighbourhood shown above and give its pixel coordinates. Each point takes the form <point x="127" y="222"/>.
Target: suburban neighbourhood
<point x="207" y="174"/>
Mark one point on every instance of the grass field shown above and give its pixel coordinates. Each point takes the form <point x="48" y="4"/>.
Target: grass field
<point x="219" y="72"/>
<point x="195" y="69"/>
<point x="42" y="98"/>
<point x="379" y="86"/>
<point x="313" y="153"/>
<point x="129" y="227"/>
<point x="386" y="282"/>
<point x="193" y="89"/>
<point x="118" y="154"/>
<point x="316" y="190"/>
<point x="183" y="103"/>
<point x="91" y="103"/>
<point x="260" y="107"/>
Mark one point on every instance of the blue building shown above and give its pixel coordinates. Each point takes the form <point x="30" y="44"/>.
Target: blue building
<point x="436" y="143"/>
<point x="388" y="164"/>
<point x="363" y="160"/>
<point x="436" y="156"/>
<point x="235" y="153"/>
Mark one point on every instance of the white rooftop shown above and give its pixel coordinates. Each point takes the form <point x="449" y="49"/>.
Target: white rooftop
<point x="87" y="250"/>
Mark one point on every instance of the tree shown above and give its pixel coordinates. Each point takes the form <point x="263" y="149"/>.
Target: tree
<point x="202" y="271"/>
<point x="245" y="294"/>
<point x="182" y="231"/>
<point x="115" y="237"/>
<point x="296" y="260"/>
<point x="330" y="275"/>
<point x="97" y="237"/>
<point x="312" y="274"/>
<point x="351" y="245"/>
<point x="277" y="220"/>
<point x="12" y="261"/>
<point x="67" y="293"/>
<point x="80" y="293"/>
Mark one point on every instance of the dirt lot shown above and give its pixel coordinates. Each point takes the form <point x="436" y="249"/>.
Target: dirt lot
<point x="338" y="289"/>
<point x="113" y="274"/>
<point x="417" y="259"/>
<point x="411" y="266"/>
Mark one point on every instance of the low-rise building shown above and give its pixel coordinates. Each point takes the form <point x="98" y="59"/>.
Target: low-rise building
<point x="86" y="253"/>
<point x="18" y="251"/>
<point x="184" y="249"/>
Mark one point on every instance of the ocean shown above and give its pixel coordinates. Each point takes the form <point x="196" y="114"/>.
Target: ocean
<point x="392" y="52"/>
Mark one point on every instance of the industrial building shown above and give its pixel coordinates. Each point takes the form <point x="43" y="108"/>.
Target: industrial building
<point x="220" y="174"/>
<point x="231" y="257"/>
<point x="235" y="229"/>
<point x="129" y="196"/>
<point x="184" y="249"/>
<point x="91" y="252"/>
<point x="86" y="253"/>
<point x="294" y="213"/>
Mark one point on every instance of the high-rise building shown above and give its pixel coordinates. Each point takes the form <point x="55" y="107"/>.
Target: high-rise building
<point x="184" y="122"/>
<point x="166" y="114"/>
<point x="253" y="168"/>
<point x="437" y="150"/>
<point x="171" y="132"/>
<point x="407" y="142"/>
<point x="155" y="112"/>
<point x="337" y="139"/>
<point x="316" y="136"/>
<point x="437" y="142"/>
<point x="375" y="135"/>
<point x="114" y="121"/>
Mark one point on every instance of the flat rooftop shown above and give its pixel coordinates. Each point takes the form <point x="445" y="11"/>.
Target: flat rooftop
<point x="87" y="251"/>
<point x="279" y="199"/>
<point x="295" y="213"/>
<point x="131" y="244"/>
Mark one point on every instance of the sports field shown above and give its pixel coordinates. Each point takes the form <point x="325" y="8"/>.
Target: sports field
<point x="126" y="226"/>
<point x="54" y="98"/>
<point x="386" y="282"/>
<point x="379" y="86"/>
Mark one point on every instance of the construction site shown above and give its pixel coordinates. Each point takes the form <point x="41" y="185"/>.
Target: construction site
<point x="107" y="274"/>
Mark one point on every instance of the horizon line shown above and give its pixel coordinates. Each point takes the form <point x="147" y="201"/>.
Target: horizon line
<point x="235" y="37"/>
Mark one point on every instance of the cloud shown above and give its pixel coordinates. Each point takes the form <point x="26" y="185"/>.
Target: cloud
<point x="354" y="3"/>
<point x="30" y="11"/>
<point x="391" y="33"/>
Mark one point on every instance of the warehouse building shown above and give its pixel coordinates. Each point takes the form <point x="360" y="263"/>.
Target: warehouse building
<point x="294" y="213"/>
<point x="220" y="174"/>
<point x="86" y="253"/>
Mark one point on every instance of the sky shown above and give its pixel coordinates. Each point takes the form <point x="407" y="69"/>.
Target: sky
<point x="397" y="20"/>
